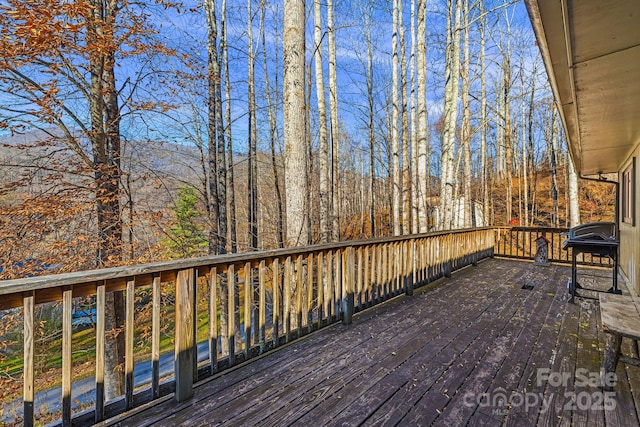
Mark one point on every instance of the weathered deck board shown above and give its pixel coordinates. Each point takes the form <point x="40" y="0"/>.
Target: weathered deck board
<point x="423" y="360"/>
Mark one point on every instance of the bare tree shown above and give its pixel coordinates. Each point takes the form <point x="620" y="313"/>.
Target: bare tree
<point x="406" y="163"/>
<point x="273" y="129"/>
<point x="232" y="234"/>
<point x="483" y="116"/>
<point x="574" y="202"/>
<point x="452" y="73"/>
<point x="333" y="109"/>
<point x="469" y="221"/>
<point x="413" y="122"/>
<point x="325" y="173"/>
<point x="295" y="152"/>
<point x="252" y="133"/>
<point x="396" y="185"/>
<point x="421" y="170"/>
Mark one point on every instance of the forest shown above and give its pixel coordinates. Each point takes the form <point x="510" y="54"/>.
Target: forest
<point x="136" y="132"/>
<point x="133" y="132"/>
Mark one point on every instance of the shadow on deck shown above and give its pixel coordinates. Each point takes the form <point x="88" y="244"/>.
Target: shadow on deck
<point x="496" y="344"/>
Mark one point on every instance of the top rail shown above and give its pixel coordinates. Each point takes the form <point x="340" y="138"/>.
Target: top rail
<point x="118" y="275"/>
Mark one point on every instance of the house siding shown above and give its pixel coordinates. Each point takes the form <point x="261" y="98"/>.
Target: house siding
<point x="630" y="234"/>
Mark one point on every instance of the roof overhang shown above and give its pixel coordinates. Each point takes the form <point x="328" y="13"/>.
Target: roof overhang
<point x="591" y="50"/>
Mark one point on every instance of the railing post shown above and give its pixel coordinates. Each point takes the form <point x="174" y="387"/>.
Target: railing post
<point x="28" y="386"/>
<point x="347" y="286"/>
<point x="185" y="334"/>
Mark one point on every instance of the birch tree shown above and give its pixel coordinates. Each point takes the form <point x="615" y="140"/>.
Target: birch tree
<point x="333" y="109"/>
<point x="325" y="173"/>
<point x="466" y="119"/>
<point x="452" y="73"/>
<point x="574" y="202"/>
<point x="231" y="217"/>
<point x="406" y="163"/>
<point x="421" y="169"/>
<point x="295" y="155"/>
<point x="396" y="185"/>
<point x="252" y="133"/>
<point x="413" y="123"/>
<point x="553" y="149"/>
<point x="273" y="129"/>
<point x="483" y="117"/>
<point x="216" y="196"/>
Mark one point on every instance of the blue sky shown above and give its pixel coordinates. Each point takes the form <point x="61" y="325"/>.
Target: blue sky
<point x="187" y="32"/>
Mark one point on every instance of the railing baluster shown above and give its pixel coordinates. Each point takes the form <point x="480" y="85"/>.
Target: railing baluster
<point x="100" y="347"/>
<point x="262" y="305"/>
<point x="231" y="313"/>
<point x="385" y="272"/>
<point x="248" y="308"/>
<point x="28" y="367"/>
<point x="365" y="277"/>
<point x="309" y="303"/>
<point x="398" y="259"/>
<point x="328" y="296"/>
<point x="348" y="287"/>
<point x="213" y="319"/>
<point x="128" y="343"/>
<point x="275" y="289"/>
<point x="337" y="283"/>
<point x="375" y="260"/>
<point x="321" y="280"/>
<point x="287" y="298"/>
<point x="67" y="310"/>
<point x="299" y="293"/>
<point x="359" y="284"/>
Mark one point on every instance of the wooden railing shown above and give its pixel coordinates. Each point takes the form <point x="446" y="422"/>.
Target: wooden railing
<point x="520" y="242"/>
<point x="248" y="304"/>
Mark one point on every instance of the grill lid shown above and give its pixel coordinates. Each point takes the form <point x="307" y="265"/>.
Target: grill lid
<point x="593" y="231"/>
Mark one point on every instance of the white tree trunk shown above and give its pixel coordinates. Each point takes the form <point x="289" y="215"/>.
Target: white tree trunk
<point x="406" y="170"/>
<point x="554" y="170"/>
<point x="421" y="174"/>
<point x="483" y="120"/>
<point x="325" y="172"/>
<point x="412" y="129"/>
<point x="252" y="169"/>
<point x="574" y="201"/>
<point x="468" y="221"/>
<point x="395" y="146"/>
<point x="452" y="73"/>
<point x="335" y="130"/>
<point x="295" y="152"/>
<point x="508" y="144"/>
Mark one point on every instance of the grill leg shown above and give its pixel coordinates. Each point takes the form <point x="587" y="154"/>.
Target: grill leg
<point x="574" y="276"/>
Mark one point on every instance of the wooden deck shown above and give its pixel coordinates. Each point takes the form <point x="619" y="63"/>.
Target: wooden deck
<point x="475" y="349"/>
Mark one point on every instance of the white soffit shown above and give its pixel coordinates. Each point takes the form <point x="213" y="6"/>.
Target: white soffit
<point x="591" y="50"/>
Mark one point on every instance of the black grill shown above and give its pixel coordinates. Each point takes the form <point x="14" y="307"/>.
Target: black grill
<point x="596" y="238"/>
